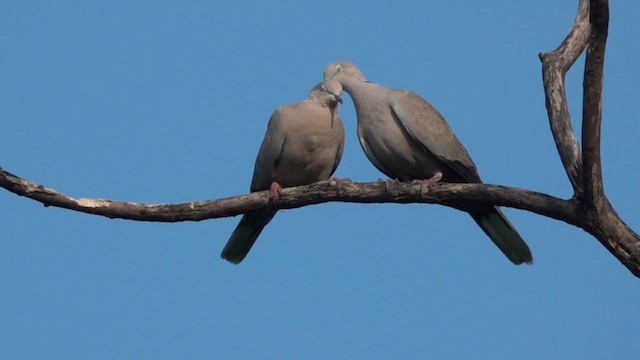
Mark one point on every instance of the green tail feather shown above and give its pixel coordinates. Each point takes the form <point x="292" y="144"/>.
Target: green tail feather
<point x="495" y="224"/>
<point x="245" y="235"/>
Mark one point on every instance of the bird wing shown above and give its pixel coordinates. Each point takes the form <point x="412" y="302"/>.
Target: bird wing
<point x="428" y="128"/>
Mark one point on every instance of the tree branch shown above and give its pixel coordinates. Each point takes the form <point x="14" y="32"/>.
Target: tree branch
<point x="601" y="219"/>
<point x="585" y="170"/>
<point x="555" y="65"/>
<point x="594" y="200"/>
<point x="459" y="196"/>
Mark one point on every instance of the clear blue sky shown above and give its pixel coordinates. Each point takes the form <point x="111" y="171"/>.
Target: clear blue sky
<point x="166" y="102"/>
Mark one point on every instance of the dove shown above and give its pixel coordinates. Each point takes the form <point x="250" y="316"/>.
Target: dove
<point x="303" y="144"/>
<point x="409" y="140"/>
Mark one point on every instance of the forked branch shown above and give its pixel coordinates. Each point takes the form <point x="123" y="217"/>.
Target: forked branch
<point x="584" y="168"/>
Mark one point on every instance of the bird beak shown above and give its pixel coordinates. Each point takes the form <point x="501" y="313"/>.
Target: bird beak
<point x="337" y="97"/>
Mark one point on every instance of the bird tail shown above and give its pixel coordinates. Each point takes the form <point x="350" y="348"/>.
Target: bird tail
<point x="245" y="235"/>
<point x="496" y="225"/>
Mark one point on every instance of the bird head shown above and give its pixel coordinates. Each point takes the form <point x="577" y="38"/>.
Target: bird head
<point x="343" y="70"/>
<point x="327" y="92"/>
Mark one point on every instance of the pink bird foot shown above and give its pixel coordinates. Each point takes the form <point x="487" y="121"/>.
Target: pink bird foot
<point x="389" y="183"/>
<point x="339" y="182"/>
<point x="274" y="193"/>
<point x="426" y="183"/>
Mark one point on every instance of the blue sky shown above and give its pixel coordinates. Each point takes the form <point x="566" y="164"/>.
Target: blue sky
<point x="163" y="102"/>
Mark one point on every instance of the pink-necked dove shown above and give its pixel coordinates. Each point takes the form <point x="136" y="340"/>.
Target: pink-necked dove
<point x="303" y="145"/>
<point x="407" y="139"/>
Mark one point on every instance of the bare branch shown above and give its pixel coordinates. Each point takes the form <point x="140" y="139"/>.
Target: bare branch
<point x="459" y="196"/>
<point x="616" y="236"/>
<point x="601" y="219"/>
<point x="555" y="65"/>
<point x="594" y="198"/>
<point x="585" y="170"/>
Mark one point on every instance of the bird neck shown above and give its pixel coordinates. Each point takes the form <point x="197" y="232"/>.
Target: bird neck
<point x="357" y="86"/>
<point x="353" y="84"/>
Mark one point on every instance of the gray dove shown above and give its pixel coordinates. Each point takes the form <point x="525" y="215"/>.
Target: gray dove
<point x="408" y="139"/>
<point x="303" y="145"/>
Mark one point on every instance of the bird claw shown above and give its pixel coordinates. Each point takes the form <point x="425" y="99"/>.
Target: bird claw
<point x="274" y="193"/>
<point x="389" y="183"/>
<point x="426" y="183"/>
<point x="339" y="182"/>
